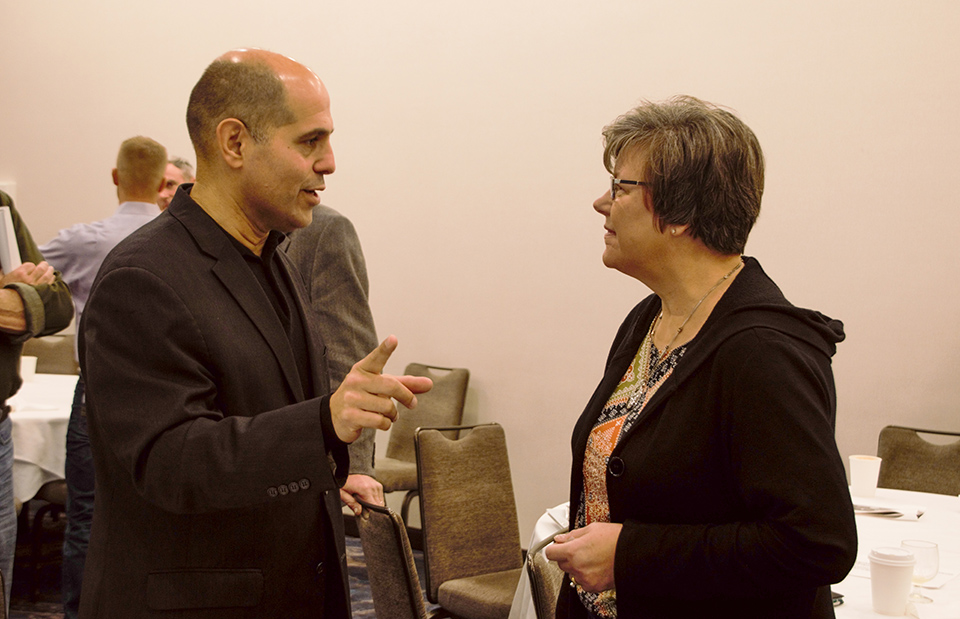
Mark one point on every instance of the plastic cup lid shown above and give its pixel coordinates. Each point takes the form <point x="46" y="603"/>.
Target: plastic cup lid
<point x="892" y="556"/>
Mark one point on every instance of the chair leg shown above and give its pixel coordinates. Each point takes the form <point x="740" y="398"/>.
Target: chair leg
<point x="36" y="535"/>
<point x="405" y="508"/>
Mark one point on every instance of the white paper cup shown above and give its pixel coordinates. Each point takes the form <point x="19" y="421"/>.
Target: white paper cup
<point x="864" y="471"/>
<point x="891" y="574"/>
<point x="28" y="368"/>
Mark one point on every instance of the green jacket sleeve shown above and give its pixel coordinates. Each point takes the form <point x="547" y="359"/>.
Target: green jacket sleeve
<point x="47" y="308"/>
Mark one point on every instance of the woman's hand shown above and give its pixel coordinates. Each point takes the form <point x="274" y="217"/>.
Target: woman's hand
<point x="587" y="554"/>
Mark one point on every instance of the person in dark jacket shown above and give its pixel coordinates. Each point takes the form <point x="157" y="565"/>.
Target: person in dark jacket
<point x="706" y="479"/>
<point x="218" y="448"/>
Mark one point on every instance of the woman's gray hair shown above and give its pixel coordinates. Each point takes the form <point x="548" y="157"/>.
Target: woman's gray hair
<point x="704" y="167"/>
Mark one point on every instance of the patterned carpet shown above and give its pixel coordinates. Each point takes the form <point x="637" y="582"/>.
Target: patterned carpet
<point x="48" y="606"/>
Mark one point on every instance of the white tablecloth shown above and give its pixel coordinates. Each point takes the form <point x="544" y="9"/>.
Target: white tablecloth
<point x="550" y="523"/>
<point x="940" y="523"/>
<point x="40" y="413"/>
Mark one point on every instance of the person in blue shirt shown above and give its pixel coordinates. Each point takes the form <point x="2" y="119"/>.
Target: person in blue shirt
<point x="78" y="252"/>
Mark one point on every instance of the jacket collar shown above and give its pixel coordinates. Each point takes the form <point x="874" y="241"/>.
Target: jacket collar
<point x="232" y="271"/>
<point x="752" y="299"/>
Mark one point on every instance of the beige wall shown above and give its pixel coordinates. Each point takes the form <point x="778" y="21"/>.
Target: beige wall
<point x="468" y="153"/>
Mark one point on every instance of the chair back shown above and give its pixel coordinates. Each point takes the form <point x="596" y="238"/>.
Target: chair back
<point x="912" y="463"/>
<point x="546" y="578"/>
<point x="441" y="406"/>
<point x="54" y="353"/>
<point x="390" y="565"/>
<point x="467" y="507"/>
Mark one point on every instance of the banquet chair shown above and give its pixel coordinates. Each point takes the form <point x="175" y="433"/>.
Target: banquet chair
<point x="471" y="539"/>
<point x="546" y="578"/>
<point x="54" y="353"/>
<point x="441" y="406"/>
<point x="910" y="462"/>
<point x="390" y="565"/>
<point x="54" y="493"/>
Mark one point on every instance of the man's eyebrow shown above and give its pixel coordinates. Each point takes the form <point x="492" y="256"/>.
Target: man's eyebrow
<point x="316" y="133"/>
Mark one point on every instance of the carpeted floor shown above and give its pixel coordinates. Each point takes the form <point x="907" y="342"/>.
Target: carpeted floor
<point x="48" y="606"/>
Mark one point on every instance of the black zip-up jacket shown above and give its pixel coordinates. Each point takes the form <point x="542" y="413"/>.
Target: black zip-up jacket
<point x="731" y="490"/>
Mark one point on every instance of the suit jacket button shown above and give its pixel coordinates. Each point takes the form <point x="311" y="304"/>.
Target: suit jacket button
<point x="304" y="483"/>
<point x="272" y="492"/>
<point x="294" y="486"/>
<point x="283" y="490"/>
<point x="616" y="466"/>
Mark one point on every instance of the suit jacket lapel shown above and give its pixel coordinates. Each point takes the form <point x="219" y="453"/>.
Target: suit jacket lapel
<point x="316" y="347"/>
<point x="230" y="268"/>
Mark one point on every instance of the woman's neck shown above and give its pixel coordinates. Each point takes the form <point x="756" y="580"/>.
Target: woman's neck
<point x="689" y="296"/>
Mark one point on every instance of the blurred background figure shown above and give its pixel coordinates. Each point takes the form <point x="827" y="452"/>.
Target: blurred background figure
<point x="178" y="171"/>
<point x="34" y="301"/>
<point x="78" y="252"/>
<point x="329" y="256"/>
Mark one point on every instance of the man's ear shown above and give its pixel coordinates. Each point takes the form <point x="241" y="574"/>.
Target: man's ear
<point x="232" y="138"/>
<point x="116" y="177"/>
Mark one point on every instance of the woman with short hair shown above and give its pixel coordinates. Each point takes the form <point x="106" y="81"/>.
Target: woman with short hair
<point x="706" y="479"/>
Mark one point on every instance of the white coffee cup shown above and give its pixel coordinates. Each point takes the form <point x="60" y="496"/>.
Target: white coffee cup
<point x="864" y="471"/>
<point x="28" y="368"/>
<point x="891" y="574"/>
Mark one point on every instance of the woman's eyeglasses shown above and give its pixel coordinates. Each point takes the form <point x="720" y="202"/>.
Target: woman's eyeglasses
<point x="619" y="181"/>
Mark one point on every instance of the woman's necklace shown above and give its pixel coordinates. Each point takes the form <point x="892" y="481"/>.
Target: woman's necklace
<point x="647" y="346"/>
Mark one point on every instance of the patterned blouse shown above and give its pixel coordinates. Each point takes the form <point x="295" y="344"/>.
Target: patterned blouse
<point x="621" y="411"/>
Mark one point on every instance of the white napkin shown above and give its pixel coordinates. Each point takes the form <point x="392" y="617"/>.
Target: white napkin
<point x="878" y="509"/>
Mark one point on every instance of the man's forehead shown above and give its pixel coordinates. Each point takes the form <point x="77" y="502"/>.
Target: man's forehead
<point x="309" y="99"/>
<point x="174" y="172"/>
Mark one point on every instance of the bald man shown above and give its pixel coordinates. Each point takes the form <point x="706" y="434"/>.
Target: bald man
<point x="219" y="453"/>
<point x="77" y="252"/>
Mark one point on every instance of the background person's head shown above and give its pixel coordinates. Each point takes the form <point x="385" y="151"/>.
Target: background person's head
<point x="139" y="173"/>
<point x="703" y="167"/>
<point x="186" y="169"/>
<point x="178" y="171"/>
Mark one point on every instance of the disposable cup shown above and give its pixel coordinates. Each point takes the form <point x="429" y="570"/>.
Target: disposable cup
<point x="891" y="574"/>
<point x="28" y="367"/>
<point x="864" y="471"/>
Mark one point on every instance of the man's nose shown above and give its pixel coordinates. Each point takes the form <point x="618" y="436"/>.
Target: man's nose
<point x="326" y="164"/>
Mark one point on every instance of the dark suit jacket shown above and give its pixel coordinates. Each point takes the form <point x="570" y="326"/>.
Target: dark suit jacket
<point x="217" y="476"/>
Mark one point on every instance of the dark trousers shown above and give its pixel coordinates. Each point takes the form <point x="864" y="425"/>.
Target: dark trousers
<point x="80" y="484"/>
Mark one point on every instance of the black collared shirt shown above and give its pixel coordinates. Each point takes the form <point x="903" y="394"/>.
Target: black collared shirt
<point x="272" y="276"/>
